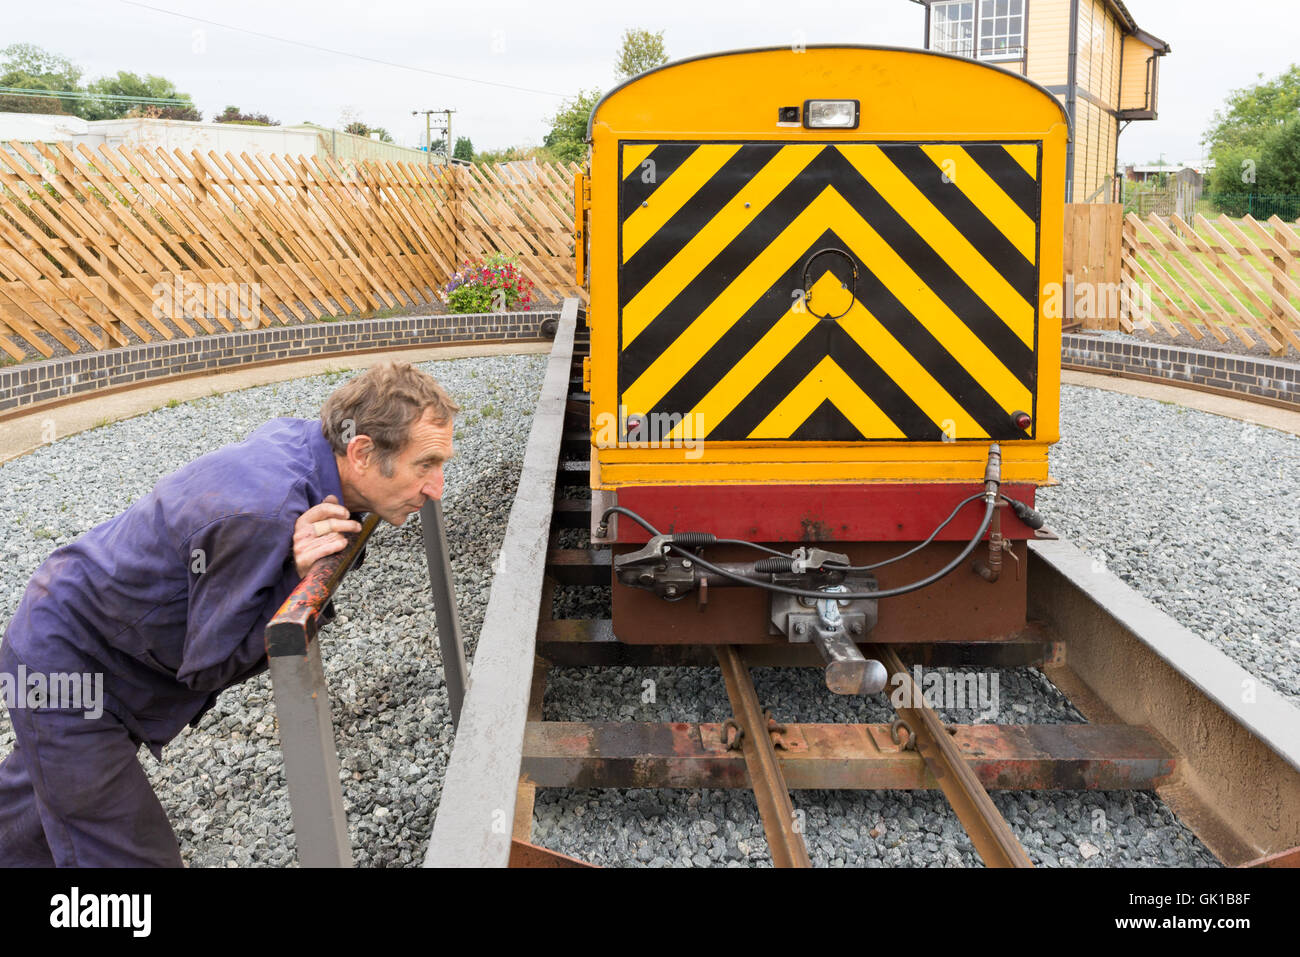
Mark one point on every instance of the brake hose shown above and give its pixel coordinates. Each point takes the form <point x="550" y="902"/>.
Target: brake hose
<point x="619" y="510"/>
<point x="830" y="564"/>
<point x="807" y="593"/>
<point x="991" y="494"/>
<point x="850" y="596"/>
<point x="911" y="551"/>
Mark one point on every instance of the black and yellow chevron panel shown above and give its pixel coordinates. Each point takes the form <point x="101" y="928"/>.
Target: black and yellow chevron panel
<point x="830" y="291"/>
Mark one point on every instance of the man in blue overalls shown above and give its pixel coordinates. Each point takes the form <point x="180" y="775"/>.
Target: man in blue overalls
<point x="168" y="601"/>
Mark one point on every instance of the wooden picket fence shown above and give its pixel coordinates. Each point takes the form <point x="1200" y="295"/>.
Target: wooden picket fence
<point x="98" y="249"/>
<point x="1223" y="278"/>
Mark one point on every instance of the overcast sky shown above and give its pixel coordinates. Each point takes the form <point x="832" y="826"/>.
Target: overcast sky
<point x="564" y="45"/>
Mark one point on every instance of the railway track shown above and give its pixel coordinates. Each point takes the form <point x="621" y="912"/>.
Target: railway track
<point x="1166" y="713"/>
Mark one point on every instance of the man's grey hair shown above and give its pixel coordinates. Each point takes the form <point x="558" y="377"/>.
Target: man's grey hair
<point x="383" y="403"/>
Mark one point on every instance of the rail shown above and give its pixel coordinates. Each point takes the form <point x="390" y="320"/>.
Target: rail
<point x="473" y="826"/>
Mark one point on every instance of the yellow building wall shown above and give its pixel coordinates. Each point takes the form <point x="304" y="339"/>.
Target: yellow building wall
<point x="1097" y="75"/>
<point x="1047" y="42"/>
<point x="1133" y="94"/>
<point x="1082" y="141"/>
<point x="1100" y="36"/>
<point x="1095" y="148"/>
<point x="1116" y="58"/>
<point x="1083" y="46"/>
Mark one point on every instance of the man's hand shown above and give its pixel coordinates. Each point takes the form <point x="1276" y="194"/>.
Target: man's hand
<point x="319" y="531"/>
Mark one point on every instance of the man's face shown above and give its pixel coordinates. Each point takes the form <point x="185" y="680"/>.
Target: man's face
<point x="417" y="472"/>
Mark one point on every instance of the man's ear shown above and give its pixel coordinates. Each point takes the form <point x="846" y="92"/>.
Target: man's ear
<point x="359" y="452"/>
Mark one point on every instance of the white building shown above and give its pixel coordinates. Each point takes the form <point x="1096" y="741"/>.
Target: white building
<point x="187" y="136"/>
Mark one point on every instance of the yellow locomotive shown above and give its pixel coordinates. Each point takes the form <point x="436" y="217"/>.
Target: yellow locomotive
<point x="817" y="283"/>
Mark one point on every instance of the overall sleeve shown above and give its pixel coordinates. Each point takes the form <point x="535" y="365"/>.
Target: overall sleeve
<point x="247" y="573"/>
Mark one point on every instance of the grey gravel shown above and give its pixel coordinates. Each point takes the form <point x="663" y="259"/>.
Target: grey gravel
<point x="223" y="786"/>
<point x="841" y="828"/>
<point x="1194" y="511"/>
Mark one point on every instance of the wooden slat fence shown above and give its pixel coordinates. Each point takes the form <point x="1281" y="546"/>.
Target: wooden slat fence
<point x="1092" y="262"/>
<point x="1227" y="278"/>
<point x="101" y="248"/>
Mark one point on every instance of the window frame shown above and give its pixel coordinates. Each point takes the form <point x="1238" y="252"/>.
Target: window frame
<point x="974" y="47"/>
<point x="1011" y="52"/>
<point x="971" y="44"/>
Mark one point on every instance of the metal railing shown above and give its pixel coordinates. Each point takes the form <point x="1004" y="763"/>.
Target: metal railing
<point x="311" y="761"/>
<point x="1258" y="205"/>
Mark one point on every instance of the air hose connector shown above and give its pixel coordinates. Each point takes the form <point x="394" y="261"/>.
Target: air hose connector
<point x="993" y="474"/>
<point x="1026" y="514"/>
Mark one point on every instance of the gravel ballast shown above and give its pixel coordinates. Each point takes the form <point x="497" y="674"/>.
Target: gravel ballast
<point x="1194" y="511"/>
<point x="222" y="783"/>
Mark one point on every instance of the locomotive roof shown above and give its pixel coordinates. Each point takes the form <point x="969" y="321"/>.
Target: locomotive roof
<point x="827" y="46"/>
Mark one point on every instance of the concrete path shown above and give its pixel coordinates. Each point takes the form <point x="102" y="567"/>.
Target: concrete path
<point x="22" y="434"/>
<point x="1270" y="416"/>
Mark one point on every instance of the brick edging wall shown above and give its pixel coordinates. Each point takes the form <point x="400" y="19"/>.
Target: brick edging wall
<point x="22" y="386"/>
<point x="34" y="383"/>
<point x="1249" y="376"/>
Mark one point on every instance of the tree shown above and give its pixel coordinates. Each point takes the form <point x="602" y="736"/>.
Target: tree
<point x="1250" y="113"/>
<point x="357" y="128"/>
<point x="17" y="103"/>
<point x="1279" y="160"/>
<point x="567" y="140"/>
<point x="464" y="149"/>
<point x="232" y="114"/>
<point x="511" y="154"/>
<point x="29" y="58"/>
<point x="1249" y="179"/>
<point x="1234" y="178"/>
<point x="28" y="67"/>
<point x="129" y="84"/>
<point x="1255" y="142"/>
<point x="641" y="51"/>
<point x="150" y="112"/>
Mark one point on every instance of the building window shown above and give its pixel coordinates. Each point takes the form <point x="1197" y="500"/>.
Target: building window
<point x="952" y="27"/>
<point x="999" y="24"/>
<point x="1001" y="29"/>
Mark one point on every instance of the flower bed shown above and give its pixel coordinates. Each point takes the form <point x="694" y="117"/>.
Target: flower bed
<point x="496" y="285"/>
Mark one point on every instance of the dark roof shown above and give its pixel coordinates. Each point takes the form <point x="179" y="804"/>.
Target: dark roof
<point x="1126" y="18"/>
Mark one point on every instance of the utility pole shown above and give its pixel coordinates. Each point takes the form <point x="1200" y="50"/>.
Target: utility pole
<point x="428" y="135"/>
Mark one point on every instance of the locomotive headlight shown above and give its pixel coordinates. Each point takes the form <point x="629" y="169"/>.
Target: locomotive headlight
<point x="830" y="114"/>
